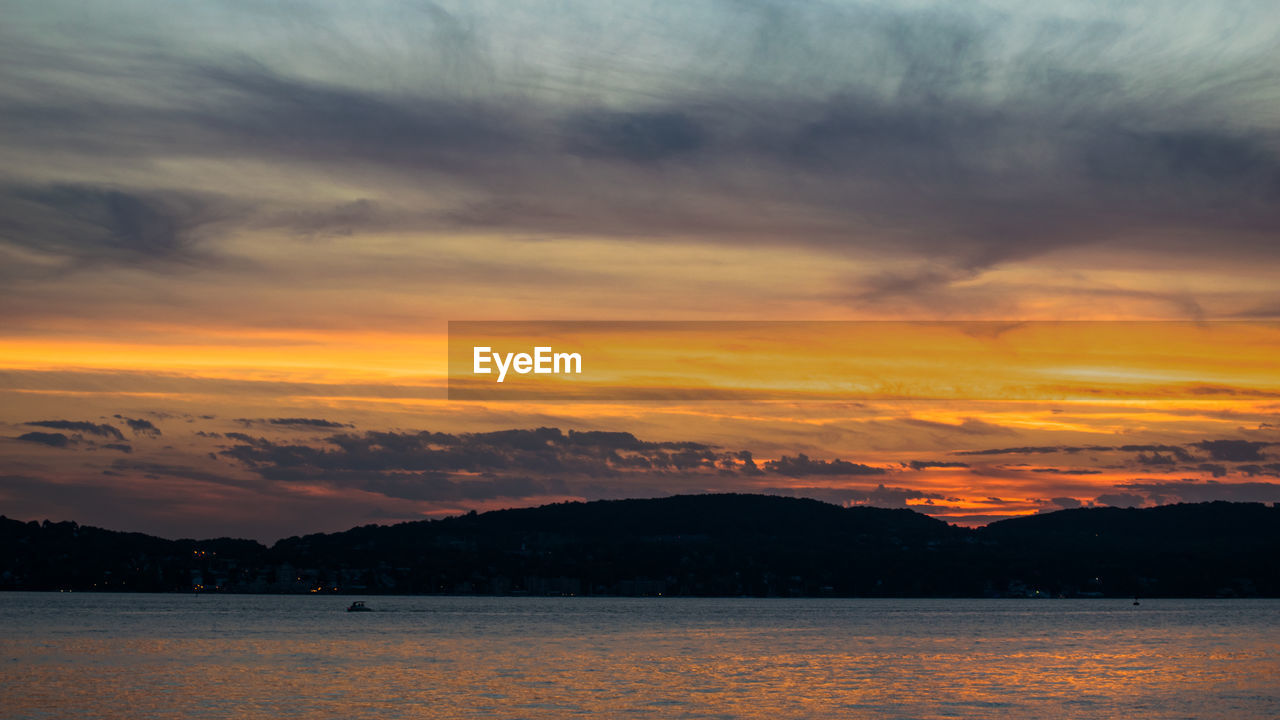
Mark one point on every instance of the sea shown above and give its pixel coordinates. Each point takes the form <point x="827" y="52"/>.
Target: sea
<point x="84" y="655"/>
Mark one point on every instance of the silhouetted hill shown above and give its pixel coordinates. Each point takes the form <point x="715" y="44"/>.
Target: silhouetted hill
<point x="64" y="555"/>
<point x="1216" y="548"/>
<point x="691" y="545"/>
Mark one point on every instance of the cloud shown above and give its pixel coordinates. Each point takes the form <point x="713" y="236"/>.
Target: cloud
<point x="1031" y="450"/>
<point x="296" y="422"/>
<point x="1265" y="311"/>
<point x="802" y="466"/>
<point x="1270" y="469"/>
<point x="1234" y="450"/>
<point x="1067" y="503"/>
<point x="968" y="426"/>
<point x="1124" y="500"/>
<point x="57" y="440"/>
<point x="1194" y="491"/>
<point x="95" y="223"/>
<point x="1215" y="469"/>
<point x="891" y="497"/>
<point x="101" y="430"/>
<point x="641" y="137"/>
<point x="242" y="437"/>
<point x="925" y="464"/>
<point x="1232" y="391"/>
<point x="434" y="465"/>
<point x="141" y="427"/>
<point x="521" y="463"/>
<point x="307" y="422"/>
<point x="1176" y="453"/>
<point x="159" y="469"/>
<point x="960" y="137"/>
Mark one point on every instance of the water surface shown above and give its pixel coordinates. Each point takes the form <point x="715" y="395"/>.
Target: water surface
<point x="179" y="656"/>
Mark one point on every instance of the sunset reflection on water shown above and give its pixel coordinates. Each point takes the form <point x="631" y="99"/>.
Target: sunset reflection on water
<point x="167" y="656"/>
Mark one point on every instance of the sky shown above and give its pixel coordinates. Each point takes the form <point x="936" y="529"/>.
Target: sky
<point x="232" y="235"/>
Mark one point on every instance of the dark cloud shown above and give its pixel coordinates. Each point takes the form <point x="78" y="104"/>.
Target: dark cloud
<point x="299" y="422"/>
<point x="287" y="116"/>
<point x="1196" y="155"/>
<point x="242" y="437"/>
<point x="1216" y="469"/>
<point x="616" y="440"/>
<point x="1120" y="499"/>
<point x="339" y="220"/>
<point x="921" y="283"/>
<point x="141" y="427"/>
<point x="1272" y="469"/>
<point x="1234" y="450"/>
<point x="1066" y="502"/>
<point x="747" y="464"/>
<point x="1030" y="450"/>
<point x="968" y="426"/>
<point x="57" y="440"/>
<point x="433" y="463"/>
<point x="89" y="223"/>
<point x="1233" y="391"/>
<point x="802" y="466"/>
<point x="446" y="466"/>
<point x="101" y="430"/>
<point x="925" y="464"/>
<point x="635" y="136"/>
<point x="1159" y="492"/>
<point x="934" y="140"/>
<point x="122" y="447"/>
<point x="1176" y="453"/>
<point x="155" y="469"/>
<point x="1265" y="311"/>
<point x="860" y="162"/>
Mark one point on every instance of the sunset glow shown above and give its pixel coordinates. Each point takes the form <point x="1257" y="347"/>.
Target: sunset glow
<point x="979" y="262"/>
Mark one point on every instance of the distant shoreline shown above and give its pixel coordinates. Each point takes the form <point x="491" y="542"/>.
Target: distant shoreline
<point x="721" y="546"/>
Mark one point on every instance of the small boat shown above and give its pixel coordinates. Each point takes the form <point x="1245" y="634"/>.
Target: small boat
<point x="358" y="606"/>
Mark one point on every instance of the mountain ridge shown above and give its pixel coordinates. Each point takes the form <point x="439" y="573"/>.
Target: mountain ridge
<point x="712" y="544"/>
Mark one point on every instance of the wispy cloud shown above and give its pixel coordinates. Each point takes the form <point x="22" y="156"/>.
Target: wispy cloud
<point x="966" y="136"/>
